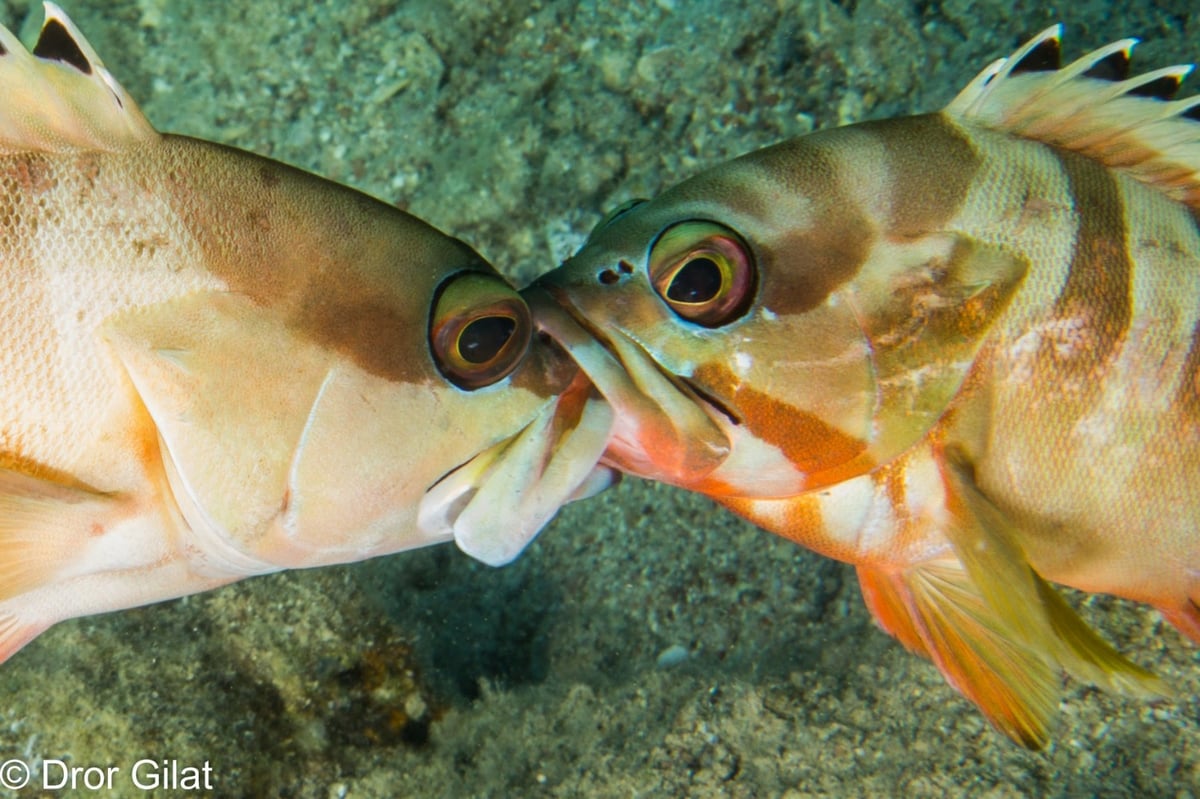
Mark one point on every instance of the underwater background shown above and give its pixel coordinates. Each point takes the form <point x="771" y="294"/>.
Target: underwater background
<point x="648" y="644"/>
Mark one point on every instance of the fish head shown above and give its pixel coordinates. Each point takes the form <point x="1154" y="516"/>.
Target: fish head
<point x="773" y="293"/>
<point x="474" y="428"/>
<point x="357" y="383"/>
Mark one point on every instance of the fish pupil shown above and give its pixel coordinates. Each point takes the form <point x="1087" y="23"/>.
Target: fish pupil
<point x="697" y="281"/>
<point x="483" y="338"/>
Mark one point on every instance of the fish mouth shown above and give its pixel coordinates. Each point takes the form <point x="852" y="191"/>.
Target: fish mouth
<point x="707" y="398"/>
<point x="665" y="428"/>
<point x="494" y="504"/>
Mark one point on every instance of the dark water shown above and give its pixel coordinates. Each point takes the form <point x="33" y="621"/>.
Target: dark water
<point x="648" y="644"/>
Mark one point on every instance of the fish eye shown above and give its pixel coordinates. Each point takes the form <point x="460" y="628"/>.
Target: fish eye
<point x="697" y="281"/>
<point x="704" y="272"/>
<point x="481" y="340"/>
<point x="480" y="330"/>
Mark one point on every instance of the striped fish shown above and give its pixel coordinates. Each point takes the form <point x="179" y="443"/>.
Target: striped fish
<point x="960" y="351"/>
<point x="216" y="366"/>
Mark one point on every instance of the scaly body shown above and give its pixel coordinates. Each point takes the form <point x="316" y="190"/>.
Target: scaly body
<point x="960" y="351"/>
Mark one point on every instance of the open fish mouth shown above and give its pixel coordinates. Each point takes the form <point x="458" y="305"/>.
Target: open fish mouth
<point x="495" y="504"/>
<point x="664" y="429"/>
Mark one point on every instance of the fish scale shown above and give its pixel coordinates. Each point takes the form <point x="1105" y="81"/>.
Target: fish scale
<point x="70" y="274"/>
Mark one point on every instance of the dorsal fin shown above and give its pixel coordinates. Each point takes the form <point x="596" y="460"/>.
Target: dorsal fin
<point x="1092" y="107"/>
<point x="60" y="97"/>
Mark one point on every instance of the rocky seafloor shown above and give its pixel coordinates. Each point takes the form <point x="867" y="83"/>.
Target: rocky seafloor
<point x="648" y="644"/>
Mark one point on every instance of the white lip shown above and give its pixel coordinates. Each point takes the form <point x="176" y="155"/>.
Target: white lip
<point x="495" y="504"/>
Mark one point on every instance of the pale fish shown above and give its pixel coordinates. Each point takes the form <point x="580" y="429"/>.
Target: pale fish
<point x="960" y="351"/>
<point x="215" y="365"/>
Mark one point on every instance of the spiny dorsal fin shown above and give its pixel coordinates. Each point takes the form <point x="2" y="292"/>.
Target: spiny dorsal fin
<point x="1092" y="107"/>
<point x="60" y="97"/>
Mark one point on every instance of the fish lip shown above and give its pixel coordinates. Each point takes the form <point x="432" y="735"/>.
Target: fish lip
<point x="669" y="432"/>
<point x="685" y="385"/>
<point x="494" y="504"/>
<point x="563" y="300"/>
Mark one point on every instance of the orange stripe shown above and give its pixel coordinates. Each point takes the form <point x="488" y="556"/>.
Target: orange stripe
<point x="798" y="519"/>
<point x="816" y="448"/>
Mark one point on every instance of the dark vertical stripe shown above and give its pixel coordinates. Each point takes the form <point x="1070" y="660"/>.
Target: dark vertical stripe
<point x="1099" y="289"/>
<point x="932" y="165"/>
<point x="800" y="265"/>
<point x="353" y="274"/>
<point x="1187" y="396"/>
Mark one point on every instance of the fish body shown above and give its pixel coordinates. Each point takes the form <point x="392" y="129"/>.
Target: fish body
<point x="960" y="351"/>
<point x="216" y="365"/>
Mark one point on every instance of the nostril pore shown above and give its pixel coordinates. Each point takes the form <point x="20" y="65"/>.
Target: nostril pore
<point x="608" y="276"/>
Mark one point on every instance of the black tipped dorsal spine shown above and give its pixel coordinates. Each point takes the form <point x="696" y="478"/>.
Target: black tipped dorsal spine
<point x="1163" y="88"/>
<point x="1046" y="57"/>
<point x="1113" y="67"/>
<point x="57" y="44"/>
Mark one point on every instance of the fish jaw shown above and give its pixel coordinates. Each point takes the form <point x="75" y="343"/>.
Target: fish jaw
<point x="663" y="430"/>
<point x="495" y="504"/>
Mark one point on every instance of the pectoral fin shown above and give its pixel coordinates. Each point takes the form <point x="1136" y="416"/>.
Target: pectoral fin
<point x="987" y="544"/>
<point x="998" y="632"/>
<point x="925" y="323"/>
<point x="229" y="389"/>
<point x="43" y="526"/>
<point x="937" y="611"/>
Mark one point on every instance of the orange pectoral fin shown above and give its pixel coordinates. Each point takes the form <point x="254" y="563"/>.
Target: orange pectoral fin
<point x="990" y="551"/>
<point x="936" y="611"/>
<point x="942" y="570"/>
<point x="997" y="631"/>
<point x="932" y="607"/>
